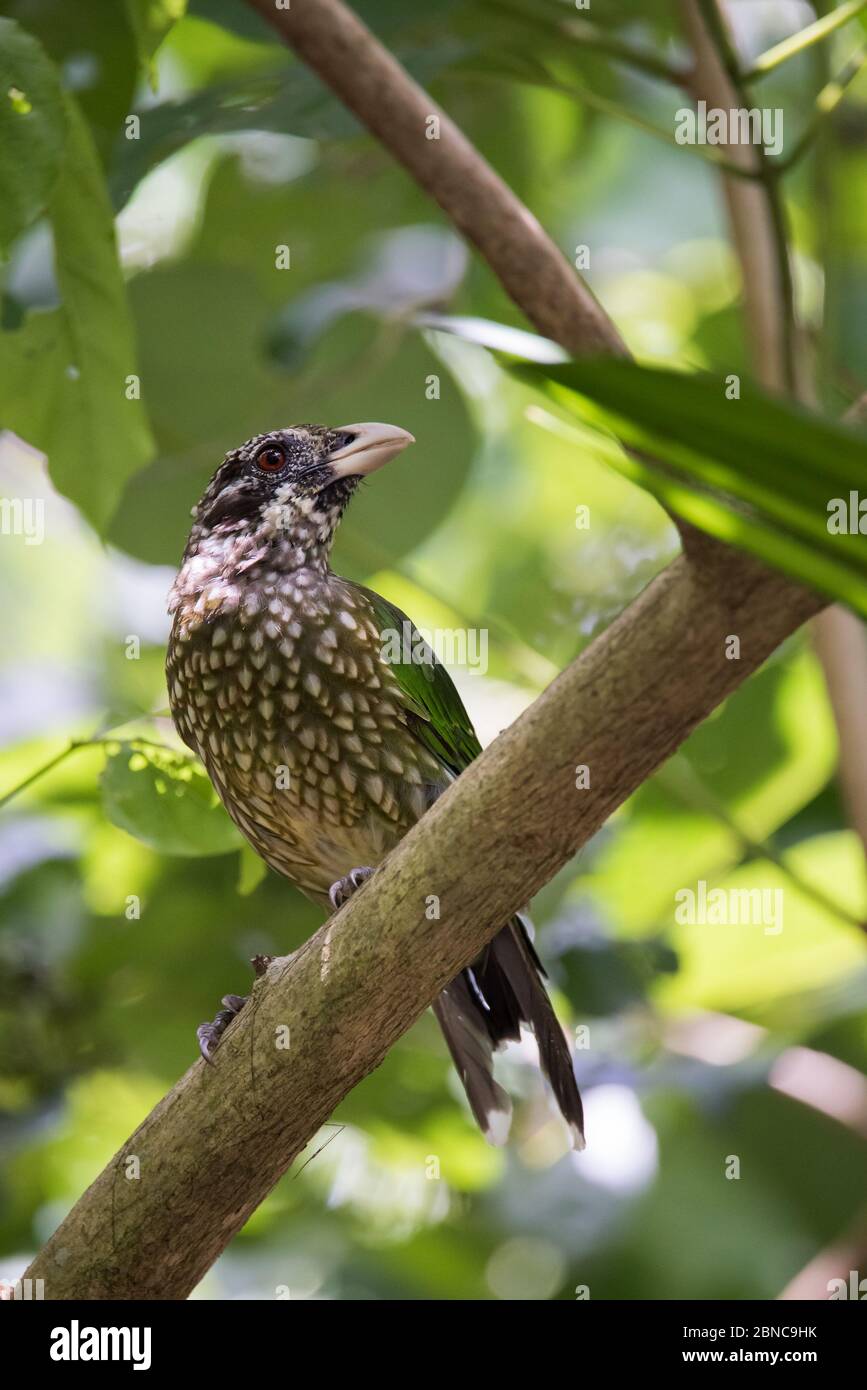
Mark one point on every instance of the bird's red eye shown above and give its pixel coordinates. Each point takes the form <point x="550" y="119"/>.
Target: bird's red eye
<point x="271" y="459"/>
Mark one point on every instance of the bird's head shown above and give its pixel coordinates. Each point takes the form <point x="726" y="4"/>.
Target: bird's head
<point x="293" y="483"/>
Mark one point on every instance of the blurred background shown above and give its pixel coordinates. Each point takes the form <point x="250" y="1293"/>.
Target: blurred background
<point x="723" y="1067"/>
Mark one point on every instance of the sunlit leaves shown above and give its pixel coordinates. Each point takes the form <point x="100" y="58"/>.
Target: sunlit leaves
<point x="756" y="472"/>
<point x="799" y="946"/>
<point x="749" y="769"/>
<point x="166" y="801"/>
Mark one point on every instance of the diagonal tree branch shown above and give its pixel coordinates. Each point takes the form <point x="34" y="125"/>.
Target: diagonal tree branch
<point x="219" y="1141"/>
<point x="163" y="1209"/>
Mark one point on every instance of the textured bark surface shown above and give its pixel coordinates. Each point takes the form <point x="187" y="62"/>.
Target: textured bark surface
<point x="219" y="1141"/>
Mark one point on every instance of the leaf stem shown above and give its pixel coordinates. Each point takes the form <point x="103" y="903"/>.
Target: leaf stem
<point x="75" y="745"/>
<point x="41" y="771"/>
<point x="797" y="43"/>
<point x="680" y="779"/>
<point x="826" y="103"/>
<point x="578" y="92"/>
<point x="584" y="34"/>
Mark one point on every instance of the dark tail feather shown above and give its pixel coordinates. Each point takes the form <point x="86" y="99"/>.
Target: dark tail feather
<point x="470" y="1045"/>
<point x="484" y="1008"/>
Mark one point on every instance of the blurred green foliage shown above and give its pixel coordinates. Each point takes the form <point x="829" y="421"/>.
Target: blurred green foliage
<point x="771" y="464"/>
<point x="126" y="909"/>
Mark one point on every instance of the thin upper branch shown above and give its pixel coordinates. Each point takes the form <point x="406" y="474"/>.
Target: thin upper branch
<point x="372" y="83"/>
<point x="780" y="363"/>
<point x="755" y="221"/>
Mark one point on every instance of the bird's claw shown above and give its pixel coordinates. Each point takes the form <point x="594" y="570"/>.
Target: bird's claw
<point x="209" y="1034"/>
<point x="341" y="891"/>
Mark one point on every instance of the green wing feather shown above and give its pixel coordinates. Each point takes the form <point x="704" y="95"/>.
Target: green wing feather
<point x="434" y="707"/>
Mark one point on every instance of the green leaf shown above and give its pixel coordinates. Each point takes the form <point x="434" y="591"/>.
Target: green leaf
<point x="91" y="43"/>
<point x="166" y="801"/>
<point x="32" y="130"/>
<point x="63" y="374"/>
<point x="286" y="100"/>
<point x="756" y="472"/>
<point x="150" y="21"/>
<point x="289" y="103"/>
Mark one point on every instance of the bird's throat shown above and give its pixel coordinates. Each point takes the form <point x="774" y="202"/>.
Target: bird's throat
<point x="223" y="571"/>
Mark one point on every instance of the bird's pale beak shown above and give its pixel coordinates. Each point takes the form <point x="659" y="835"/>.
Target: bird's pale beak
<point x="370" y="446"/>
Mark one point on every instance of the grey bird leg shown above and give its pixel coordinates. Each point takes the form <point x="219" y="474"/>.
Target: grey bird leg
<point x="209" y="1034"/>
<point x="341" y="891"/>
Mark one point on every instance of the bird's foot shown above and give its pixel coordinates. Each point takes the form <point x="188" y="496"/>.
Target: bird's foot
<point x="341" y="891"/>
<point x="209" y="1034"/>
